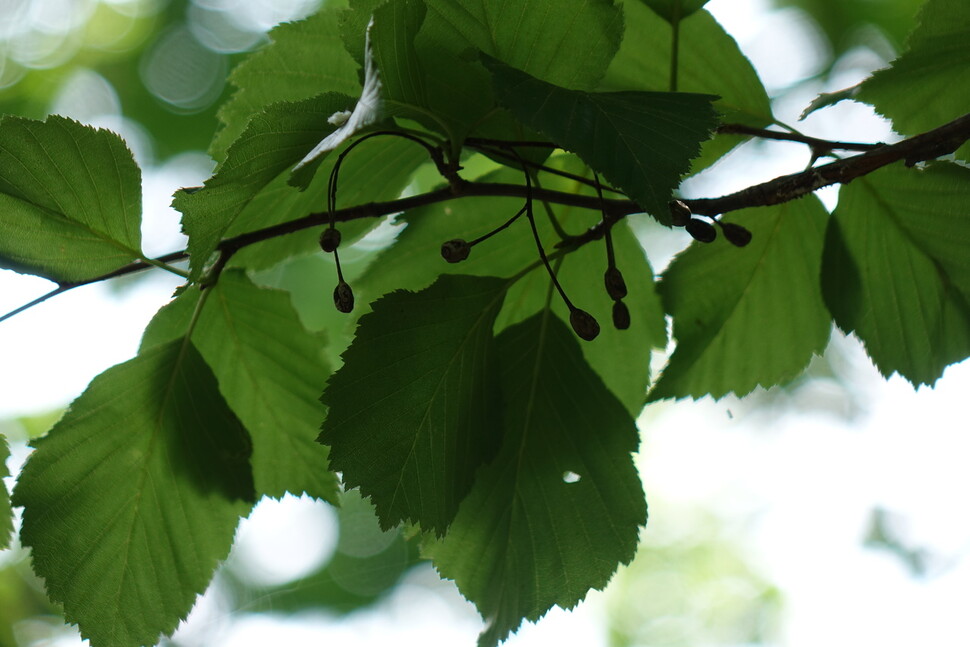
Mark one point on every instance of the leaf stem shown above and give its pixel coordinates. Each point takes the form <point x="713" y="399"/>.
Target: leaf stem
<point x="675" y="45"/>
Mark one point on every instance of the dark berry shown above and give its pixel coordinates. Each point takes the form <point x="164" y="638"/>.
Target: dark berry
<point x="615" y="285"/>
<point x="455" y="251"/>
<point x="329" y="240"/>
<point x="621" y="315"/>
<point x="736" y="234"/>
<point x="679" y="213"/>
<point x="701" y="230"/>
<point x="584" y="324"/>
<point x="343" y="297"/>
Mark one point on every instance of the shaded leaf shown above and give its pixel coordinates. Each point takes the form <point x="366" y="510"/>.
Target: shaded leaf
<point x="675" y="10"/>
<point x="928" y="84"/>
<point x="413" y="411"/>
<point x="709" y="62"/>
<point x="747" y="316"/>
<point x="70" y="199"/>
<point x="303" y="59"/>
<point x="6" y="514"/>
<point x="423" y="79"/>
<point x="273" y="141"/>
<point x="561" y="505"/>
<point x="642" y="142"/>
<point x="132" y="499"/>
<point x="270" y="371"/>
<point x="896" y="269"/>
<point x="565" y="42"/>
<point x="621" y="357"/>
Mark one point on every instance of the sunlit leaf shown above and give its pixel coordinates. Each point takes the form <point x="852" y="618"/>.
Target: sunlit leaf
<point x="377" y="169"/>
<point x="561" y="505"/>
<point x="928" y="84"/>
<point x="132" y="499"/>
<point x="6" y="514"/>
<point x="275" y="139"/>
<point x="675" y="10"/>
<point x="642" y="142"/>
<point x="565" y="42"/>
<point x="270" y="371"/>
<point x="747" y="316"/>
<point x="70" y="199"/>
<point x="303" y="59"/>
<point x="414" y="410"/>
<point x="897" y="271"/>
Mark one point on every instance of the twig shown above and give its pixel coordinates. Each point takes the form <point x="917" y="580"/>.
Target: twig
<point x="814" y="142"/>
<point x="130" y="268"/>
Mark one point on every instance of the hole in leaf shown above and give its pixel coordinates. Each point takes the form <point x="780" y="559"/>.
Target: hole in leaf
<point x="570" y="477"/>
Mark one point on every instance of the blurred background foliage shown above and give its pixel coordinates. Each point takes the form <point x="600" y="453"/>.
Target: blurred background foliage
<point x="156" y="71"/>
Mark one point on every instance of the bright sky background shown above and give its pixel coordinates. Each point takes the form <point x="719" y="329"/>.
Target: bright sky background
<point x="804" y="482"/>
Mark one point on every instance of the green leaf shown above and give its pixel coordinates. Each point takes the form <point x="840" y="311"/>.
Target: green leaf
<point x="274" y="140"/>
<point x="414" y="261"/>
<point x="710" y="62"/>
<point x="304" y="59"/>
<point x="928" y="85"/>
<point x="747" y="316"/>
<point x="131" y="500"/>
<point x="270" y="371"/>
<point x="642" y="142"/>
<point x="378" y="169"/>
<point x="424" y="80"/>
<point x="70" y="199"/>
<point x="530" y="535"/>
<point x="6" y="514"/>
<point x="620" y="357"/>
<point x="568" y="43"/>
<point x="675" y="10"/>
<point x="413" y="410"/>
<point x="896" y="268"/>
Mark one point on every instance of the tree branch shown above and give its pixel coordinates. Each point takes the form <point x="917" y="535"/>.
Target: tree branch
<point x="823" y="145"/>
<point x="927" y="146"/>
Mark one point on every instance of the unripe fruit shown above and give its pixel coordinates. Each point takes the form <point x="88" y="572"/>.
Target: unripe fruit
<point x="455" y="251"/>
<point x="621" y="315"/>
<point x="329" y="240"/>
<point x="615" y="285"/>
<point x="736" y="234"/>
<point x="343" y="297"/>
<point x="701" y="230"/>
<point x="679" y="213"/>
<point x="584" y="324"/>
